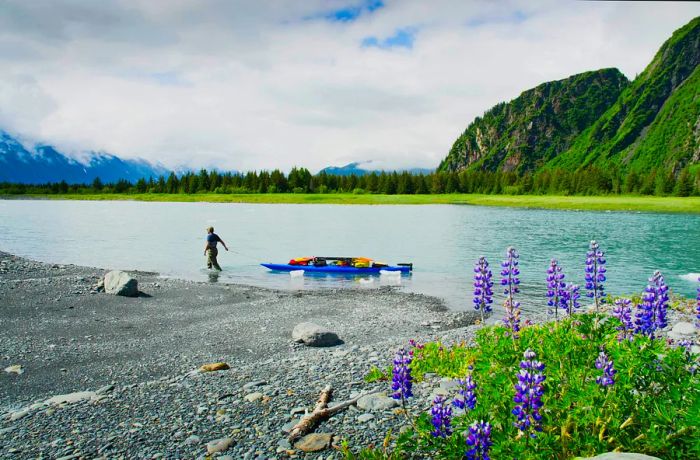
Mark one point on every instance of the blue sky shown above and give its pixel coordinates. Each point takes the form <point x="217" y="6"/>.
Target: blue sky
<point x="273" y="84"/>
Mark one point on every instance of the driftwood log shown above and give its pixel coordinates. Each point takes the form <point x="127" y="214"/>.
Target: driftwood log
<point x="321" y="412"/>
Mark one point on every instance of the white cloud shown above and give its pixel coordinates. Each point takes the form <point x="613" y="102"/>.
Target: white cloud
<point x="253" y="85"/>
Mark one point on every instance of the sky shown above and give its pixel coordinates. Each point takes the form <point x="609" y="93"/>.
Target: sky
<point x="244" y="85"/>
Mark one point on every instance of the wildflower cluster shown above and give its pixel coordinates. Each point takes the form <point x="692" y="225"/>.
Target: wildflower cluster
<point x="623" y="312"/>
<point x="466" y="397"/>
<point x="595" y="274"/>
<point x="483" y="293"/>
<point x="510" y="281"/>
<point x="697" y="310"/>
<point x="441" y="413"/>
<point x="555" y="288"/>
<point x="651" y="313"/>
<point x="571" y="296"/>
<point x="402" y="382"/>
<point x="479" y="441"/>
<point x="605" y="363"/>
<point x="528" y="394"/>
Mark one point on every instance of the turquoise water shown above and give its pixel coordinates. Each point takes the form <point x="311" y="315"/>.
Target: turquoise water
<point x="442" y="242"/>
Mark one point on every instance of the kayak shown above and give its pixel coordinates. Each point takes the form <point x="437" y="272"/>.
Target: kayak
<point x="339" y="269"/>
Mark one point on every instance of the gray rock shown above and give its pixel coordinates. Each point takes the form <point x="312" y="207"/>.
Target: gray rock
<point x="257" y="383"/>
<point x="365" y="418"/>
<point x="376" y="402"/>
<point x="194" y="439"/>
<point x="621" y="456"/>
<point x="121" y="283"/>
<point x="219" y="445"/>
<point x="684" y="328"/>
<point x="253" y="396"/>
<point x="313" y="335"/>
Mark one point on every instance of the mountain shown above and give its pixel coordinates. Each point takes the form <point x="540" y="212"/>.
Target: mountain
<point x="656" y="120"/>
<point x="44" y="163"/>
<point x="596" y="118"/>
<point x="357" y="169"/>
<point x="538" y="125"/>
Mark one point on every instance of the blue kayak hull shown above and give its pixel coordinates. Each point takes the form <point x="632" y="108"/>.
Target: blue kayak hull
<point x="335" y="269"/>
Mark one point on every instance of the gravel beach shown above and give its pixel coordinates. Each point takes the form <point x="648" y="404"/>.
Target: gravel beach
<point x="132" y="360"/>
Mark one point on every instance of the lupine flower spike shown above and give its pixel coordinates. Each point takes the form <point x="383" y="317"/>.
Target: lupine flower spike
<point x="402" y="382"/>
<point x="571" y="295"/>
<point x="698" y="308"/>
<point x="595" y="275"/>
<point x="606" y="364"/>
<point x="651" y="313"/>
<point x="510" y="283"/>
<point x="466" y="397"/>
<point x="483" y="293"/>
<point x="478" y="441"/>
<point x="441" y="415"/>
<point x="623" y="312"/>
<point x="555" y="288"/>
<point x="528" y="394"/>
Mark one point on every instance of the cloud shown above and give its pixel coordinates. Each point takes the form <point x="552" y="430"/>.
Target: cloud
<point x="272" y="84"/>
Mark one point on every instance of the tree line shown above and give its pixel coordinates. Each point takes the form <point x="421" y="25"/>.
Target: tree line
<point x="585" y="181"/>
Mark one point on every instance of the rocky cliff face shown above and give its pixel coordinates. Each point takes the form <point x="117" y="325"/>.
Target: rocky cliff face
<point x="526" y="132"/>
<point x="596" y="118"/>
<point x="652" y="123"/>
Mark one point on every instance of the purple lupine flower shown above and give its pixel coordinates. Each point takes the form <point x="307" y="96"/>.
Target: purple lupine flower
<point x="651" y="313"/>
<point x="595" y="274"/>
<point x="528" y="394"/>
<point x="570" y="298"/>
<point x="402" y="382"/>
<point x="661" y="300"/>
<point x="510" y="281"/>
<point x="442" y="413"/>
<point x="483" y="293"/>
<point x="697" y="324"/>
<point x="479" y="441"/>
<point x="555" y="288"/>
<point x="467" y="393"/>
<point x="623" y="312"/>
<point x="606" y="364"/>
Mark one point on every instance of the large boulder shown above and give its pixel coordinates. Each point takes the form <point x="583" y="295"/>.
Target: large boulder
<point x="313" y="335"/>
<point x="121" y="283"/>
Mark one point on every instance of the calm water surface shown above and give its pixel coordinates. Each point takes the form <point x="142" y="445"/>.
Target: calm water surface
<point x="442" y="241"/>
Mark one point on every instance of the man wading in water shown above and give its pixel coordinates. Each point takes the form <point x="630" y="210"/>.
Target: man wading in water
<point x="210" y="249"/>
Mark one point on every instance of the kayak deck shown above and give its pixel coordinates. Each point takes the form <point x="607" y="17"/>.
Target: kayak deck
<point x="338" y="268"/>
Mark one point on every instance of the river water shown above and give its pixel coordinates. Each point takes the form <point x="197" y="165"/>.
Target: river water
<point x="442" y="242"/>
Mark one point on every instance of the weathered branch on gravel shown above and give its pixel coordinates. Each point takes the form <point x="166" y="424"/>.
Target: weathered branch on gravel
<point x="321" y="412"/>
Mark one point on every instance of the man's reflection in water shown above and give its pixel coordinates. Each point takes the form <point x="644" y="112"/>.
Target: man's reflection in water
<point x="213" y="277"/>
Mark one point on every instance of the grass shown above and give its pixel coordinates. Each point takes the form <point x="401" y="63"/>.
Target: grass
<point x="652" y="407"/>
<point x="689" y="205"/>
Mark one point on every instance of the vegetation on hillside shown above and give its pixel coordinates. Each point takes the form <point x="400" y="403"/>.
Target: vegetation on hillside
<point x="523" y="134"/>
<point x="650" y="127"/>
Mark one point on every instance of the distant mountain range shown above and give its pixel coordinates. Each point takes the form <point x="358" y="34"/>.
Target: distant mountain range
<point x="43" y="163"/>
<point x="596" y="119"/>
<point x="365" y="167"/>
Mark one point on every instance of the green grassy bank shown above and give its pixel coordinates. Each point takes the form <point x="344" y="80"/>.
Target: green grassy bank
<point x="595" y="203"/>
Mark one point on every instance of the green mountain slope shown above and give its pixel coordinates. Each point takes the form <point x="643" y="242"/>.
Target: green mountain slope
<point x="648" y="125"/>
<point x="542" y="122"/>
<point x="596" y="119"/>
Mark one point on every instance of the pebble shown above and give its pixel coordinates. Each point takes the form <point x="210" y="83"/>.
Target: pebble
<point x="365" y="418"/>
<point x="314" y="442"/>
<point x="219" y="445"/>
<point x="252" y="397"/>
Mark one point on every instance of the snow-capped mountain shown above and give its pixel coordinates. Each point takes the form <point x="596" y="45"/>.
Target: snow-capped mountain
<point x="43" y="163"/>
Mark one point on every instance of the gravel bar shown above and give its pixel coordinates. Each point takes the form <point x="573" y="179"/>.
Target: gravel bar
<point x="134" y="361"/>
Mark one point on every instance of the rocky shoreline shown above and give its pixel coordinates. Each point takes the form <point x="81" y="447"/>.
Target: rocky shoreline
<point x="120" y="370"/>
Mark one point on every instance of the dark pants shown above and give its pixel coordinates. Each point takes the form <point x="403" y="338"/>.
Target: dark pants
<point x="211" y="258"/>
